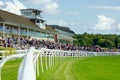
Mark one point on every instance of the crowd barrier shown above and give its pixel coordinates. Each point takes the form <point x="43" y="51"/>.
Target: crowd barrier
<point x="33" y="58"/>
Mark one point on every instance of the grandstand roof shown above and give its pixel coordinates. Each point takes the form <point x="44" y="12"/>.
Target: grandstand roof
<point x="30" y="9"/>
<point x="50" y="28"/>
<point x="62" y="28"/>
<point x="18" y="20"/>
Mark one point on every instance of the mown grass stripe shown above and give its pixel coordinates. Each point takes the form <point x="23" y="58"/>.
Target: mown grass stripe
<point x="94" y="68"/>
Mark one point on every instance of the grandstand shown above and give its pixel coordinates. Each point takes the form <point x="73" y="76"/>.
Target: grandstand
<point x="30" y="25"/>
<point x="65" y="34"/>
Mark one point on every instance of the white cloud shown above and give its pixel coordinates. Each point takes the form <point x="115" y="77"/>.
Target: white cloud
<point x="119" y="26"/>
<point x="13" y="6"/>
<point x="60" y="22"/>
<point x="63" y="23"/>
<point x="73" y="13"/>
<point x="41" y="1"/>
<point x="48" y="6"/>
<point x="74" y="24"/>
<point x="106" y="7"/>
<point x="104" y="23"/>
<point x="51" y="8"/>
<point x="1" y="3"/>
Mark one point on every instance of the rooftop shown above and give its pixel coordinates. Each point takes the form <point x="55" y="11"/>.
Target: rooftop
<point x="62" y="28"/>
<point x="18" y="20"/>
<point x="30" y="9"/>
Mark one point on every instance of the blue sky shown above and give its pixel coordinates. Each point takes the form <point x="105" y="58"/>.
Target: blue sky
<point x="92" y="16"/>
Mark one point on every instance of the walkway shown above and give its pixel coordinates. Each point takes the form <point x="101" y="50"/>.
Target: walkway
<point x="62" y="71"/>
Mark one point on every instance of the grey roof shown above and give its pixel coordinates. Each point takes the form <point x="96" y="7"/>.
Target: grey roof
<point x="30" y="9"/>
<point x="62" y="28"/>
<point x="17" y="19"/>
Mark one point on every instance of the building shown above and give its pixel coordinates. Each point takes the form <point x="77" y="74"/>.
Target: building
<point x="31" y="25"/>
<point x="15" y="25"/>
<point x="34" y="15"/>
<point x="63" y="35"/>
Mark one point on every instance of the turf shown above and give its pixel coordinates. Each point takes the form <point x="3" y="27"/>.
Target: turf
<point x="10" y="69"/>
<point x="98" y="68"/>
<point x="94" y="68"/>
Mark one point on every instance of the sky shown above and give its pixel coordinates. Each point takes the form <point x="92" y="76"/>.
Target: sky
<point x="91" y="16"/>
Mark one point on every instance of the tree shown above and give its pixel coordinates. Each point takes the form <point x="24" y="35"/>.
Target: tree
<point x="116" y="41"/>
<point x="103" y="40"/>
<point x="109" y="43"/>
<point x="105" y="43"/>
<point x="95" y="41"/>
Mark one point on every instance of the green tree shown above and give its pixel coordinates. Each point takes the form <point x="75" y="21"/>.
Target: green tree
<point x="116" y="41"/>
<point x="104" y="40"/>
<point x="105" y="43"/>
<point x="95" y="41"/>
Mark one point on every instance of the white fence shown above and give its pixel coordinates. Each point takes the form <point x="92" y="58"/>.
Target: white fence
<point x="33" y="58"/>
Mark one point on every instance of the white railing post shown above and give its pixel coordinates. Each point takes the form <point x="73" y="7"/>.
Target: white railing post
<point x="51" y="59"/>
<point x="38" y="67"/>
<point x="46" y="62"/>
<point x="27" y="67"/>
<point x="41" y="63"/>
<point x="33" y="60"/>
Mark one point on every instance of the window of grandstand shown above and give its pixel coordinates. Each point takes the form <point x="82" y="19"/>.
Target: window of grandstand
<point x="31" y="33"/>
<point x="43" y="35"/>
<point x="23" y="31"/>
<point x="1" y="28"/>
<point x="37" y="34"/>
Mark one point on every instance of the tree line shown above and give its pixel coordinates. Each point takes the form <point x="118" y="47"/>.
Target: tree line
<point x="102" y="40"/>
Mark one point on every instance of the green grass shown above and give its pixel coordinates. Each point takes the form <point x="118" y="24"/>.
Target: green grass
<point x="61" y="71"/>
<point x="10" y="69"/>
<point x="98" y="68"/>
<point x="95" y="68"/>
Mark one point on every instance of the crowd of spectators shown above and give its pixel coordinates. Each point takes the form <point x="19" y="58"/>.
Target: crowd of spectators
<point x="97" y="49"/>
<point x="25" y="43"/>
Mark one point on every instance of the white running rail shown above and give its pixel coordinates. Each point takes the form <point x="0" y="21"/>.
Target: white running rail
<point x="20" y="54"/>
<point x="33" y="58"/>
<point x="26" y="69"/>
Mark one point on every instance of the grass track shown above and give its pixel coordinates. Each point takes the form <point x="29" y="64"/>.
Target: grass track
<point x="98" y="68"/>
<point x="61" y="71"/>
<point x="95" y="68"/>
